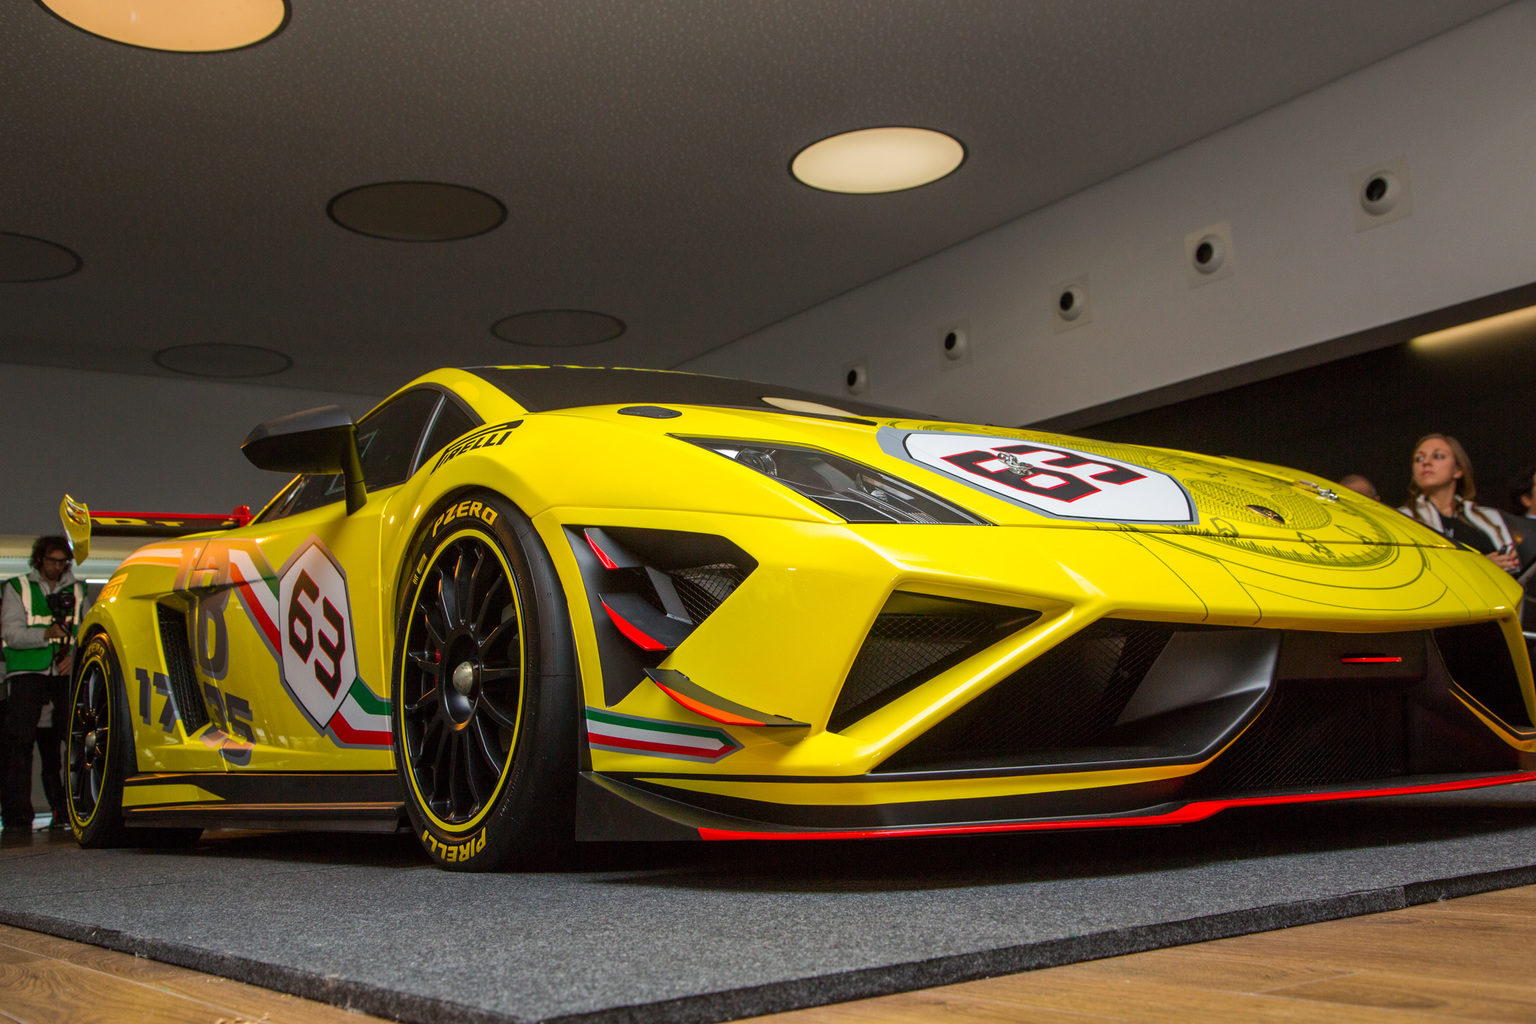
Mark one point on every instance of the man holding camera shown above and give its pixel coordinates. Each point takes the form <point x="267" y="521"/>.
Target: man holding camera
<point x="38" y="618"/>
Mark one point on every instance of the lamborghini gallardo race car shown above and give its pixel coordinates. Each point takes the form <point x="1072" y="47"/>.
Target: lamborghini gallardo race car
<point x="514" y="608"/>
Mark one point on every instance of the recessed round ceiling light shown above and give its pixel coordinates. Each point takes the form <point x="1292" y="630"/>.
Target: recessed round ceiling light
<point x="220" y="360"/>
<point x="558" y="328"/>
<point x="182" y="26"/>
<point x="877" y="160"/>
<point x="24" y="258"/>
<point x="417" y="211"/>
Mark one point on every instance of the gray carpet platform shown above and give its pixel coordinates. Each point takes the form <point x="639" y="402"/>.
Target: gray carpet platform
<point x="700" y="933"/>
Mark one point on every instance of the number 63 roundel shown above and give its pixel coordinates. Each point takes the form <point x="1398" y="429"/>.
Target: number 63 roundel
<point x="1055" y="481"/>
<point x="316" y="633"/>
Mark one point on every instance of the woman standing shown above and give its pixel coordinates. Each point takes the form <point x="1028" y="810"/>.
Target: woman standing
<point x="1440" y="496"/>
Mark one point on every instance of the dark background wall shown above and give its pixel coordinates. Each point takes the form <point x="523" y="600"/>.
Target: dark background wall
<point x="1363" y="413"/>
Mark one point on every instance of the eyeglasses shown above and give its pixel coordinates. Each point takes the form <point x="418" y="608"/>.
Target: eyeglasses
<point x="56" y="561"/>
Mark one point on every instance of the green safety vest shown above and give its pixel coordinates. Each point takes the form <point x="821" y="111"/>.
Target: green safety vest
<point x="35" y="603"/>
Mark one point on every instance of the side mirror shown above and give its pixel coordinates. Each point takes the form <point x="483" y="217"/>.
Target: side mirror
<point x="322" y="440"/>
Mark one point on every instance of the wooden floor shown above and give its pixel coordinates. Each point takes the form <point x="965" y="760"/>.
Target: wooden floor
<point x="1466" y="959"/>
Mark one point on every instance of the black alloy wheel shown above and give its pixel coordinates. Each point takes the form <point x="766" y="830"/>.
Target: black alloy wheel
<point x="90" y="740"/>
<point x="486" y="693"/>
<point x="462" y="686"/>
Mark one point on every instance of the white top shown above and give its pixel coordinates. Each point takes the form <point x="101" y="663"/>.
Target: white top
<point x="1484" y="518"/>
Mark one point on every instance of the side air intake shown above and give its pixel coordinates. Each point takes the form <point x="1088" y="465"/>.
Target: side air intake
<point x="914" y="638"/>
<point x="648" y="591"/>
<point x="178" y="669"/>
<point x="1478" y="659"/>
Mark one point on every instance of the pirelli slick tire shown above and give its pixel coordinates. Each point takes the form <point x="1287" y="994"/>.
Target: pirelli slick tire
<point x="484" y="708"/>
<point x="99" y="745"/>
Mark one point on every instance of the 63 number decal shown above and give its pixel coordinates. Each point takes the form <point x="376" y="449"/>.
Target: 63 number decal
<point x="317" y="649"/>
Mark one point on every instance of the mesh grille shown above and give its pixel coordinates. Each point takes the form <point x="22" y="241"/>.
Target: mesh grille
<point x="178" y="667"/>
<point x="907" y="648"/>
<point x="1318" y="734"/>
<point x="1069" y="697"/>
<point x="703" y="587"/>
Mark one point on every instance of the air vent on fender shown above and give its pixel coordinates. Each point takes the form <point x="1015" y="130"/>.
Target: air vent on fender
<point x="649" y="590"/>
<point x="179" y="670"/>
<point x="913" y="639"/>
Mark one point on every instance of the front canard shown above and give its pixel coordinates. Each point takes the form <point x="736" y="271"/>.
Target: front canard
<point x="1049" y="479"/>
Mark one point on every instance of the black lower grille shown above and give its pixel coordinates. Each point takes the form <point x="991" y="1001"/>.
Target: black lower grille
<point x="1069" y="697"/>
<point x="913" y="639"/>
<point x="179" y="669"/>
<point x="1318" y="733"/>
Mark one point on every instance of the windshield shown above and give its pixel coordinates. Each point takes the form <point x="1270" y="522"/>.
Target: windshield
<point x="545" y="388"/>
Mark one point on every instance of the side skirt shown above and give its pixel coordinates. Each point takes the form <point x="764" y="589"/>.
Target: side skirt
<point x="321" y="801"/>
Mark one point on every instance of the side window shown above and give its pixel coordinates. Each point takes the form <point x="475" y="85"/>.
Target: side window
<point x="386" y="438"/>
<point x="451" y="422"/>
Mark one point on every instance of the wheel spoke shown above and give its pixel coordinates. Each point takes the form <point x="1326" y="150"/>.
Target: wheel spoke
<point x="426" y="702"/>
<point x="439" y="637"/>
<point x="505" y="629"/>
<point x="428" y="747"/>
<point x="429" y="665"/>
<point x="499" y="675"/>
<point x="464" y="583"/>
<point x="469" y="772"/>
<point x="447" y="605"/>
<point x="501" y="717"/>
<point x="485" y="748"/>
<point x="452" y="746"/>
<point x="485" y="604"/>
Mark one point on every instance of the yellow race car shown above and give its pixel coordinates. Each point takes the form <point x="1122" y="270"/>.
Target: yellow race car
<point x="517" y="607"/>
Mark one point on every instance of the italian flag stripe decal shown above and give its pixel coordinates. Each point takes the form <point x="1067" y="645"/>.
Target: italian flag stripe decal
<point x="630" y="734"/>
<point x="362" y="720"/>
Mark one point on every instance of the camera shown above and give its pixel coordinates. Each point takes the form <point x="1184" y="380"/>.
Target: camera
<point x="61" y="603"/>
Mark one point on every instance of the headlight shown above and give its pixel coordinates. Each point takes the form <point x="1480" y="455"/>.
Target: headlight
<point x="841" y="486"/>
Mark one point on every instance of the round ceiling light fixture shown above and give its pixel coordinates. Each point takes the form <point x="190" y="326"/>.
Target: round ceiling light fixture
<point x="180" y="26"/>
<point x="417" y="211"/>
<point x="877" y="160"/>
<point x="222" y="360"/>
<point x="558" y="328"/>
<point x="24" y="258"/>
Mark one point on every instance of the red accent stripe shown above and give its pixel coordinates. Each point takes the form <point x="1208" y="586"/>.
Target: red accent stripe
<point x="365" y="738"/>
<point x="1369" y="659"/>
<point x="199" y="516"/>
<point x="253" y="604"/>
<point x="1197" y="811"/>
<point x="646" y="643"/>
<point x="700" y="708"/>
<point x="599" y="739"/>
<point x="608" y="563"/>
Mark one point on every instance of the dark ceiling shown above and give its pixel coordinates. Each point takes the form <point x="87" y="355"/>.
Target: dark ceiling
<point x="640" y="151"/>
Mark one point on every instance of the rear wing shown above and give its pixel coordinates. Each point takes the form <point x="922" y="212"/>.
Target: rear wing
<point x="80" y="523"/>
